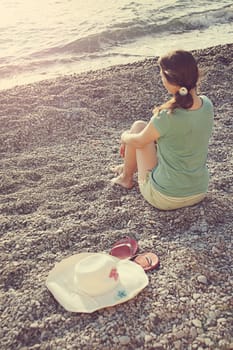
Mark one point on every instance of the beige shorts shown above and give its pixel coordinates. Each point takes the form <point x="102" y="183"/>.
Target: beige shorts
<point x="163" y="202"/>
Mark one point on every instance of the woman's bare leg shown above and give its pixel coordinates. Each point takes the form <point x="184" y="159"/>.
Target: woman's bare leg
<point x="125" y="178"/>
<point x="142" y="159"/>
<point x="146" y="160"/>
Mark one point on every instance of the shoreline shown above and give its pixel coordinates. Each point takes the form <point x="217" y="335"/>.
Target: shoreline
<point x="58" y="140"/>
<point x="95" y="68"/>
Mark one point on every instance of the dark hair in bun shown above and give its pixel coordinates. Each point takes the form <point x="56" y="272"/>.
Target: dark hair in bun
<point x="180" y="68"/>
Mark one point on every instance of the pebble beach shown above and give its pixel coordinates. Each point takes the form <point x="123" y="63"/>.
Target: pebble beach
<point x="58" y="140"/>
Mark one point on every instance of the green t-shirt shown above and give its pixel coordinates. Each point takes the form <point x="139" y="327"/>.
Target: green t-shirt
<point x="182" y="150"/>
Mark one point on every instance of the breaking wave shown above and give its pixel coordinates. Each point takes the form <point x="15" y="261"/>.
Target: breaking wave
<point x="125" y="33"/>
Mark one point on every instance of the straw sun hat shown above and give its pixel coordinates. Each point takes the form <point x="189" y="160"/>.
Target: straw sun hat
<point x="87" y="282"/>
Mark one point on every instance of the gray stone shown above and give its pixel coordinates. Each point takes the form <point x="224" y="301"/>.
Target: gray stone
<point x="208" y="342"/>
<point x="148" y="338"/>
<point x="124" y="340"/>
<point x="196" y="296"/>
<point x="222" y="343"/>
<point x="211" y="319"/>
<point x="158" y="346"/>
<point x="204" y="227"/>
<point x="178" y="344"/>
<point x="197" y="323"/>
<point x="193" y="332"/>
<point x="215" y="250"/>
<point x="221" y="321"/>
<point x="202" y="279"/>
<point x="179" y="334"/>
<point x="101" y="319"/>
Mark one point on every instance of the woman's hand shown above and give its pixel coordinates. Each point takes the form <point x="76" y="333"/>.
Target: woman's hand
<point x="123" y="143"/>
<point x="122" y="150"/>
<point x="124" y="136"/>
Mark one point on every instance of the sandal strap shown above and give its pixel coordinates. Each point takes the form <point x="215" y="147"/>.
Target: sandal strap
<point x="149" y="260"/>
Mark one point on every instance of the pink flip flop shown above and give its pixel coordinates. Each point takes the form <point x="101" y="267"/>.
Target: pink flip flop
<point x="148" y="261"/>
<point x="124" y="248"/>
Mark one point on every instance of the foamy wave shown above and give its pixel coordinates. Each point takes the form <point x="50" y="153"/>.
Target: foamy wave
<point x="199" y="20"/>
<point x="121" y="42"/>
<point x="123" y="34"/>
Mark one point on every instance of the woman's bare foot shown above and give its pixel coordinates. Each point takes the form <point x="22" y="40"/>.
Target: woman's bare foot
<point x="118" y="169"/>
<point x="122" y="181"/>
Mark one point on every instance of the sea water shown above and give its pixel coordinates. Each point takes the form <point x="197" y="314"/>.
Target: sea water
<point x="48" y="38"/>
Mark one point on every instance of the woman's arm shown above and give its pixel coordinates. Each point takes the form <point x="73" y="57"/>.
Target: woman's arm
<point x="147" y="135"/>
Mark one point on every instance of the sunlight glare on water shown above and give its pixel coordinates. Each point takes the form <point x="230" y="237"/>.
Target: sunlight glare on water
<point x="45" y="22"/>
<point x="30" y="25"/>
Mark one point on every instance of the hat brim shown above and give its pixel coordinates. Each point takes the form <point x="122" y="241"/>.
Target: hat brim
<point x="60" y="282"/>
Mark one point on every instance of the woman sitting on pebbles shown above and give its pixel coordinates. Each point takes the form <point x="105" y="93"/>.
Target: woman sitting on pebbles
<point x="174" y="173"/>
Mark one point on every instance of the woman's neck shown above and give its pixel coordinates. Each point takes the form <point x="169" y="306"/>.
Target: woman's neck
<point x="197" y="101"/>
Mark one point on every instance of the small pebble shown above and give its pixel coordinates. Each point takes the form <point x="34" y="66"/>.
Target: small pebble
<point x="124" y="340"/>
<point x="196" y="296"/>
<point x="178" y="344"/>
<point x="180" y="334"/>
<point x="221" y="321"/>
<point x="202" y="279"/>
<point x="193" y="332"/>
<point x="148" y="338"/>
<point x="197" y="323"/>
<point x="215" y="250"/>
<point x="208" y="342"/>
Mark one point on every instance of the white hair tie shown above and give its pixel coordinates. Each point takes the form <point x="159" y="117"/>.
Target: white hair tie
<point x="183" y="91"/>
